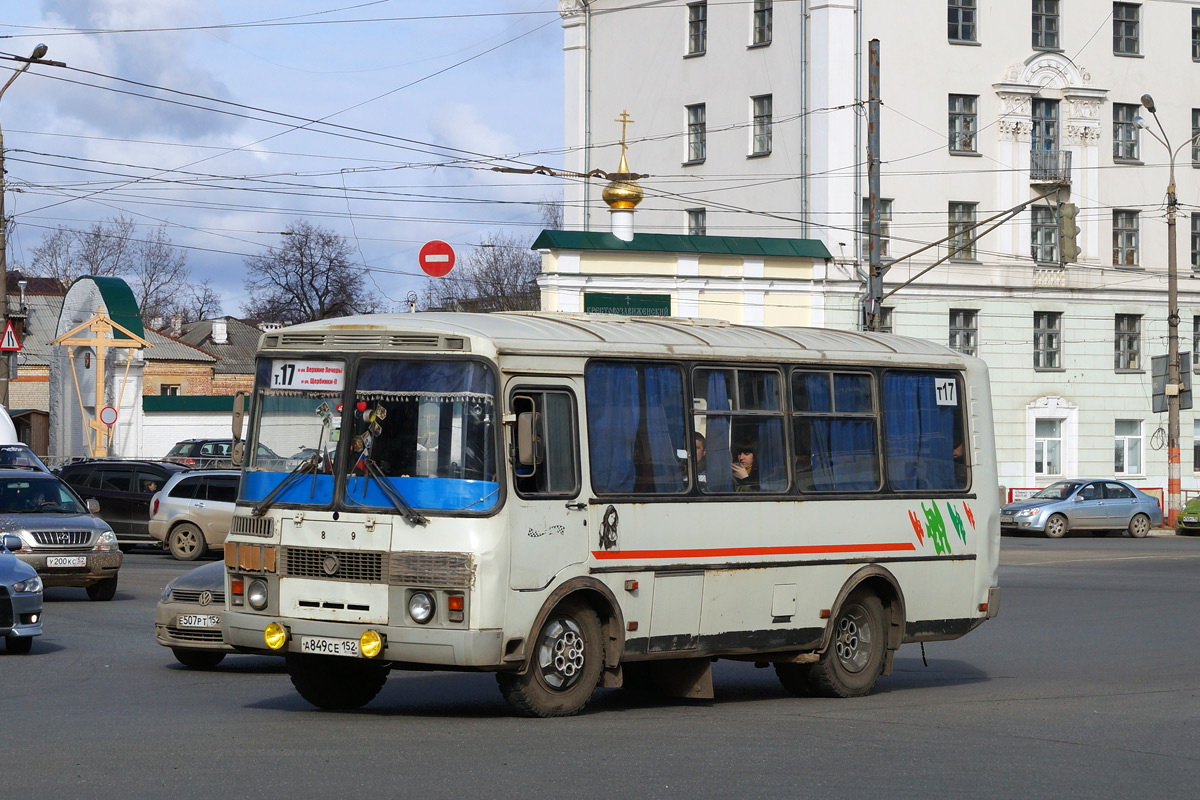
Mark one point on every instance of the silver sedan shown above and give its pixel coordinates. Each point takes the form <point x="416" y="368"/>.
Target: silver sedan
<point x="1083" y="504"/>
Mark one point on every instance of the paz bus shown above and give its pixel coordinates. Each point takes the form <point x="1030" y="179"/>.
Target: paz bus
<point x="575" y="501"/>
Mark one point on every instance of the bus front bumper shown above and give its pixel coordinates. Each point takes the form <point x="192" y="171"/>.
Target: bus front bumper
<point x="402" y="644"/>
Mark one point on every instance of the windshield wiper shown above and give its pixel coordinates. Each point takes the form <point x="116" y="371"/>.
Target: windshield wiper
<point x="390" y="491"/>
<point x="288" y="481"/>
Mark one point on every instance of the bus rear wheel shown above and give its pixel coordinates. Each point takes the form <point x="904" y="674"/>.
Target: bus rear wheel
<point x="854" y="659"/>
<point x="336" y="683"/>
<point x="568" y="655"/>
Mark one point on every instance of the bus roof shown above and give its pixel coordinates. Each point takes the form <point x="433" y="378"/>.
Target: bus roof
<point x="600" y="334"/>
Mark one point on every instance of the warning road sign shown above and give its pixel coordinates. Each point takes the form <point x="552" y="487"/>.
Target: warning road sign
<point x="9" y="343"/>
<point x="436" y="258"/>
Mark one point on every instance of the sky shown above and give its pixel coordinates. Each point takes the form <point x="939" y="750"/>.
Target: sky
<point x="226" y="121"/>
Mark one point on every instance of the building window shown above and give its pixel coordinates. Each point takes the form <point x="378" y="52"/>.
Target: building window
<point x="962" y="240"/>
<point x="1196" y="248"/>
<point x="886" y="319"/>
<point x="1127" y="346"/>
<point x="697" y="28"/>
<point x="1047" y="447"/>
<point x="1195" y="135"/>
<point x="1125" y="131"/>
<point x="1045" y="24"/>
<point x="1196" y="340"/>
<point x="761" y="141"/>
<point x="961" y="18"/>
<point x="885" y="226"/>
<point x="1125" y="28"/>
<point x="1196" y="445"/>
<point x="762" y="22"/>
<point x="964" y="331"/>
<point x="697" y="221"/>
<point x="168" y="390"/>
<point x="964" y="123"/>
<point x="1125" y="238"/>
<point x="1044" y="230"/>
<point x="1127" y="460"/>
<point x="1047" y="340"/>
<point x="1196" y="34"/>
<point x="697" y="133"/>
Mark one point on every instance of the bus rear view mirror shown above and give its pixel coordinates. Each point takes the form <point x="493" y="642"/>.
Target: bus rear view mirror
<point x="527" y="438"/>
<point x="235" y="455"/>
<point x="239" y="414"/>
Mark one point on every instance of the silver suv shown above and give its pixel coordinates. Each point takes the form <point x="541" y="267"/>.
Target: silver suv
<point x="60" y="536"/>
<point x="193" y="510"/>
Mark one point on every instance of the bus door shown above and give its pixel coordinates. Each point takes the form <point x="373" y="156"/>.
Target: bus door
<point x="548" y="518"/>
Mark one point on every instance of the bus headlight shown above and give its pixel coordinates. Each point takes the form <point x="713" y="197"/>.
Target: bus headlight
<point x="370" y="644"/>
<point x="275" y="635"/>
<point x="256" y="595"/>
<point x="420" y="607"/>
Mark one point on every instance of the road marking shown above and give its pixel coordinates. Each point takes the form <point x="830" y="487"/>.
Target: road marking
<point x="1114" y="558"/>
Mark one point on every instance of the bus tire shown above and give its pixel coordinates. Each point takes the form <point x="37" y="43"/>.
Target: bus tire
<point x="795" y="678"/>
<point x="568" y="656"/>
<point x="854" y="659"/>
<point x="337" y="683"/>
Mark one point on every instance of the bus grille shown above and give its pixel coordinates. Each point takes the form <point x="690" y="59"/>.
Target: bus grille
<point x="347" y="340"/>
<point x="62" y="538"/>
<point x="341" y="565"/>
<point x="430" y="569"/>
<point x="253" y="526"/>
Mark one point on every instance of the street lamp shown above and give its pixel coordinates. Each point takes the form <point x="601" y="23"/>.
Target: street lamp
<point x="5" y="366"/>
<point x="1173" y="376"/>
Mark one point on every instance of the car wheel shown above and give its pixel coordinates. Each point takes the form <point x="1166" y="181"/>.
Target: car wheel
<point x="186" y="542"/>
<point x="336" y="682"/>
<point x="1056" y="527"/>
<point x="198" y="659"/>
<point x="568" y="655"/>
<point x="18" y="645"/>
<point x="854" y="659"/>
<point x="1139" y="526"/>
<point x="104" y="589"/>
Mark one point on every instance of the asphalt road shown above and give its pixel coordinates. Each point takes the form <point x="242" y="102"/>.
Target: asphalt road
<point x="1085" y="686"/>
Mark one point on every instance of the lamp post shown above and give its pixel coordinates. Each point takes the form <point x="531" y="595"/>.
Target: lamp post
<point x="1173" y="367"/>
<point x="5" y="366"/>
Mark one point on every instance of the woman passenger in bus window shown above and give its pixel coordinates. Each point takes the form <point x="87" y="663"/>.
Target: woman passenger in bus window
<point x="701" y="451"/>
<point x="745" y="471"/>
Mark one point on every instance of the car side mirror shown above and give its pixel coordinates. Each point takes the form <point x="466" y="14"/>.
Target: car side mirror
<point x="1079" y="498"/>
<point x="12" y="542"/>
<point x="93" y="505"/>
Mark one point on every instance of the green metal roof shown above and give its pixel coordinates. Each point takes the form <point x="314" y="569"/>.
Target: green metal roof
<point x="154" y="404"/>
<point x="677" y="243"/>
<point x="120" y="302"/>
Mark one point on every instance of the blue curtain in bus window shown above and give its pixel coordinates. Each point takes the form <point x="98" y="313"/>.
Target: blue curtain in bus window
<point x="853" y="454"/>
<point x="612" y="406"/>
<point x="665" y="427"/>
<point x="919" y="434"/>
<point x="720" y="461"/>
<point x="772" y="459"/>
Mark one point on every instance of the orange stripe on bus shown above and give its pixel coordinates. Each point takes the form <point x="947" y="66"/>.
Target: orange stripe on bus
<point x="726" y="552"/>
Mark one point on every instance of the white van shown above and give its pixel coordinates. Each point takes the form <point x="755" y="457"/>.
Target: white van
<point x="8" y="431"/>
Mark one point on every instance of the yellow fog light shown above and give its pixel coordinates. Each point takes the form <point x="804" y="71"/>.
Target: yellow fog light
<point x="370" y="644"/>
<point x="275" y="635"/>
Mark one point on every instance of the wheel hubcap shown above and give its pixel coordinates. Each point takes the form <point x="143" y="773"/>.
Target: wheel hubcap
<point x="561" y="653"/>
<point x="852" y="639"/>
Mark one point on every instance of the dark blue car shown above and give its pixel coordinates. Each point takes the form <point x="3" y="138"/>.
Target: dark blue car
<point x="20" y="598"/>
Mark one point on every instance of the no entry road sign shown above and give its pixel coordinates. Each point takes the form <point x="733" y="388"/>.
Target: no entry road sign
<point x="437" y="258"/>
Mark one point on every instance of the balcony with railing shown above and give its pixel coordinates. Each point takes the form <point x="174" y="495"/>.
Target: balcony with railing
<point x="1050" y="166"/>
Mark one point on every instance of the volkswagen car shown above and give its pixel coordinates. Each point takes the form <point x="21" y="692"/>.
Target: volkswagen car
<point x="20" y="598"/>
<point x="1083" y="505"/>
<point x="188" y="617"/>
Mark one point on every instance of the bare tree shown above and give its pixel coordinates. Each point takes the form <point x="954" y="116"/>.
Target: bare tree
<point x="201" y="301"/>
<point x="310" y="276"/>
<point x="106" y="248"/>
<point x="158" y="274"/>
<point x="55" y="256"/>
<point x="499" y="275"/>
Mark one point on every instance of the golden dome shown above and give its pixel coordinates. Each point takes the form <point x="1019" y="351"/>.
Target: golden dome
<point x="622" y="191"/>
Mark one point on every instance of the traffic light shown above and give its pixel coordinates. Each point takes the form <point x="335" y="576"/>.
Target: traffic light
<point x="1068" y="232"/>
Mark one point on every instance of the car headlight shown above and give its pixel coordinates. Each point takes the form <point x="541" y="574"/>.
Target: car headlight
<point x="29" y="585"/>
<point x="256" y="595"/>
<point x="165" y="597"/>
<point x="1029" y="512"/>
<point x="420" y="607"/>
<point x="107" y="542"/>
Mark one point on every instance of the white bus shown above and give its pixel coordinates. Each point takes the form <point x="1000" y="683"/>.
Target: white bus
<point x="574" y="501"/>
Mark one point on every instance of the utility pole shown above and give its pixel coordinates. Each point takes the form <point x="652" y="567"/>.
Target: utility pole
<point x="873" y="301"/>
<point x="6" y="360"/>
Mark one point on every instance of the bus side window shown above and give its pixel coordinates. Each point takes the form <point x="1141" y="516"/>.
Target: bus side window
<point x="553" y="468"/>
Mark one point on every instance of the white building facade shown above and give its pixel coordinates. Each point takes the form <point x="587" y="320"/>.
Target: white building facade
<point x="751" y="120"/>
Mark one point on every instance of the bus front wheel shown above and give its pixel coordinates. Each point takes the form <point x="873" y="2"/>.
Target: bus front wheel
<point x="337" y="683"/>
<point x="568" y="656"/>
<point x="854" y="659"/>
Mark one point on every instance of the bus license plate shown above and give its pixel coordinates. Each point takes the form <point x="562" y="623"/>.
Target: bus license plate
<point x="199" y="621"/>
<point x="66" y="561"/>
<point x="327" y="646"/>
